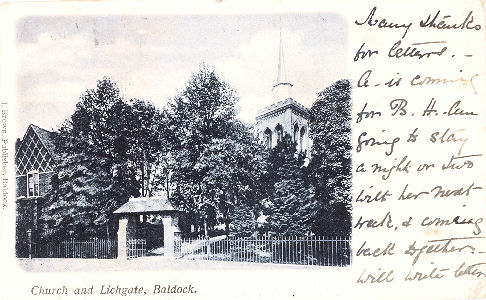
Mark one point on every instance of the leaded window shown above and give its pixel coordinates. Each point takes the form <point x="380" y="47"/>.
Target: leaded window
<point x="33" y="184"/>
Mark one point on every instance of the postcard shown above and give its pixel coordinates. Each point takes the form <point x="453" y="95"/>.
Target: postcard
<point x="243" y="150"/>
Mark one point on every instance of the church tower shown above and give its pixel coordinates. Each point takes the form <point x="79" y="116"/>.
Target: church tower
<point x="285" y="115"/>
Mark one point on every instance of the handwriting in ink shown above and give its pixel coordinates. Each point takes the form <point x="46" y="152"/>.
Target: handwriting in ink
<point x="380" y="196"/>
<point x="403" y="166"/>
<point x="457" y="220"/>
<point x="367" y="114"/>
<point x="384" y="276"/>
<point x="435" y="273"/>
<point x="449" y="137"/>
<point x="372" y="223"/>
<point x="396" y="51"/>
<point x="469" y="270"/>
<point x="383" y="23"/>
<point x="419" y="80"/>
<point x="443" y="246"/>
<point x="454" y="165"/>
<point x="371" y="142"/>
<point x="431" y="22"/>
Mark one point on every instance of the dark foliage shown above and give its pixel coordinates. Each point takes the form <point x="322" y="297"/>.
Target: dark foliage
<point x="206" y="161"/>
<point x="330" y="167"/>
<point x="216" y="157"/>
<point x="291" y="208"/>
<point x="105" y="155"/>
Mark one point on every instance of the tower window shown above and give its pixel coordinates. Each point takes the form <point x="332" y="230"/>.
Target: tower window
<point x="268" y="138"/>
<point x="279" y="131"/>
<point x="296" y="136"/>
<point x="301" y="143"/>
<point x="296" y="133"/>
<point x="32" y="184"/>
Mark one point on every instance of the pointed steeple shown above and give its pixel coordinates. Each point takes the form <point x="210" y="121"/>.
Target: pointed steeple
<point x="281" y="90"/>
<point x="281" y="76"/>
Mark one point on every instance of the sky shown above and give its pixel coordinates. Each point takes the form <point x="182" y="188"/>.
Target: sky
<point x="152" y="58"/>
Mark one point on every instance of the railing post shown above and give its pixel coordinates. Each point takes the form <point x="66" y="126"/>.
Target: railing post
<point x="29" y="237"/>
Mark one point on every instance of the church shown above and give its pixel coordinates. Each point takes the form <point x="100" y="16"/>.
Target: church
<point x="35" y="156"/>
<point x="285" y="115"/>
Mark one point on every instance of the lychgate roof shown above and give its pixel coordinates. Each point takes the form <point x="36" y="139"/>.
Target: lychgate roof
<point x="146" y="205"/>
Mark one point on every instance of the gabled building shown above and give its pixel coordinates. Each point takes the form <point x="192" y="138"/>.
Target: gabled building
<point x="34" y="167"/>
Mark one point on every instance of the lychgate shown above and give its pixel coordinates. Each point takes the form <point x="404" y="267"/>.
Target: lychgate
<point x="137" y="209"/>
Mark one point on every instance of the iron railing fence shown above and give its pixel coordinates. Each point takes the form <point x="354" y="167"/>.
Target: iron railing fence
<point x="136" y="248"/>
<point x="320" y="251"/>
<point x="72" y="248"/>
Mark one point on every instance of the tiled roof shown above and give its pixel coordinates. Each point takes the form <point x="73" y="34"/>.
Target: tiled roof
<point x="141" y="205"/>
<point x="46" y="137"/>
<point x="36" y="151"/>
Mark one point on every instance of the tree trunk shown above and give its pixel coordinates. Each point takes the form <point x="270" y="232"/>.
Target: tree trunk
<point x="227" y="229"/>
<point x="227" y="222"/>
<point x="143" y="180"/>
<point x="206" y="235"/>
<point x="107" y="231"/>
<point x="167" y="187"/>
<point x="149" y="175"/>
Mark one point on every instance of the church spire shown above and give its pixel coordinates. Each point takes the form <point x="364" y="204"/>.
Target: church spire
<point x="281" y="90"/>
<point x="281" y="75"/>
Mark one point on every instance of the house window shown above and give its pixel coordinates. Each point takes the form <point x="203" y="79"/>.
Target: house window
<point x="32" y="184"/>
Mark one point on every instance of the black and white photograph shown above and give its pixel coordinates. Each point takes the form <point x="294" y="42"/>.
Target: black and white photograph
<point x="242" y="149"/>
<point x="183" y="138"/>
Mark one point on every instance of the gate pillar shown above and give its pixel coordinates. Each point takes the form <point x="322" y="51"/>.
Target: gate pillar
<point x="168" y="237"/>
<point x="171" y="229"/>
<point x="122" y="237"/>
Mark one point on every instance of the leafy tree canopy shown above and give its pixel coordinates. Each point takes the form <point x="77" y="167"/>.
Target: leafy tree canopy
<point x="99" y="161"/>
<point x="291" y="208"/>
<point x="330" y="166"/>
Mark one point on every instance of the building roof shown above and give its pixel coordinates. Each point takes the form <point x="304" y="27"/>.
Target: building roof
<point x="283" y="105"/>
<point x="145" y="205"/>
<point x="46" y="137"/>
<point x="36" y="151"/>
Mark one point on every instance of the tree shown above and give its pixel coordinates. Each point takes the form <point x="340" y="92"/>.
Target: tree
<point x="291" y="207"/>
<point x="243" y="220"/>
<point x="93" y="174"/>
<point x="233" y="169"/>
<point x="146" y="139"/>
<point x="165" y="157"/>
<point x="203" y="112"/>
<point x="330" y="166"/>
